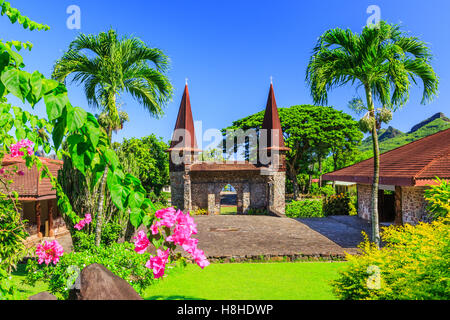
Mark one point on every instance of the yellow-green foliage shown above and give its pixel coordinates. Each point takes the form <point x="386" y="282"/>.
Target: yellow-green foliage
<point x="438" y="197"/>
<point x="413" y="264"/>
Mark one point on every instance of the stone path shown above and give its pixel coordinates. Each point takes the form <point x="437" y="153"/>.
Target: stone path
<point x="252" y="236"/>
<point x="242" y="237"/>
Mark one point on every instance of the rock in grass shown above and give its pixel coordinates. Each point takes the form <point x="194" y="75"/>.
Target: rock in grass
<point x="42" y="296"/>
<point x="98" y="283"/>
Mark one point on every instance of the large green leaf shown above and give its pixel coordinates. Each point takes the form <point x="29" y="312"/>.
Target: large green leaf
<point x="16" y="82"/>
<point x="135" y="199"/>
<point x="58" y="133"/>
<point x="119" y="195"/>
<point x="136" y="217"/>
<point x="76" y="118"/>
<point x="55" y="104"/>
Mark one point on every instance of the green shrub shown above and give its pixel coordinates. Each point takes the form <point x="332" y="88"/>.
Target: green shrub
<point x="111" y="232"/>
<point x="438" y="197"/>
<point x="12" y="235"/>
<point x="339" y="204"/>
<point x="119" y="258"/>
<point x="413" y="265"/>
<point x="304" y="208"/>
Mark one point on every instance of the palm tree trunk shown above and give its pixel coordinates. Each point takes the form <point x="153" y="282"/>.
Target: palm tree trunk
<point x="320" y="171"/>
<point x="101" y="202"/>
<point x="376" y="171"/>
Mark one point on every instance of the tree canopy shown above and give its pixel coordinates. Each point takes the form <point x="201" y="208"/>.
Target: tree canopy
<point x="312" y="133"/>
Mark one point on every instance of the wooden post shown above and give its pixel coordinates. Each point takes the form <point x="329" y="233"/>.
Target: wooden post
<point x="398" y="206"/>
<point x="51" y="233"/>
<point x="37" y="208"/>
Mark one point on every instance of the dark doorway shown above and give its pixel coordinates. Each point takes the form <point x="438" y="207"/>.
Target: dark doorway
<point x="386" y="205"/>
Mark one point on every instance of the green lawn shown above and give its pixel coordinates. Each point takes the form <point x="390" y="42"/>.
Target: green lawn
<point x="233" y="281"/>
<point x="247" y="281"/>
<point x="228" y="209"/>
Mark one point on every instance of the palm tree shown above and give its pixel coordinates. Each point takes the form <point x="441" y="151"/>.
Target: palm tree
<point x="384" y="61"/>
<point x="109" y="66"/>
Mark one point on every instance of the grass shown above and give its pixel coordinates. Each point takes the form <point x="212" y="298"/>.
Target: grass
<point x="249" y="281"/>
<point x="25" y="290"/>
<point x="228" y="209"/>
<point x="232" y="281"/>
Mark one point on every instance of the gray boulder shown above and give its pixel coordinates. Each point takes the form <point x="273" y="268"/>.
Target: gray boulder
<point x="98" y="283"/>
<point x="42" y="296"/>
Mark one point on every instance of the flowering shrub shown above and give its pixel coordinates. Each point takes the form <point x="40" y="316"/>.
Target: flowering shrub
<point x="50" y="251"/>
<point x="80" y="225"/>
<point x="413" y="265"/>
<point x="304" y="208"/>
<point x="17" y="148"/>
<point x="438" y="197"/>
<point x="170" y="228"/>
<point x="119" y="258"/>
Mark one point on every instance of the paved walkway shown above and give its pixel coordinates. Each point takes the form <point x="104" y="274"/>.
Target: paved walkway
<point x="243" y="237"/>
<point x="251" y="236"/>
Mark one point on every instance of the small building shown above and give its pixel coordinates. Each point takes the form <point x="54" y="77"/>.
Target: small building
<point x="37" y="198"/>
<point x="405" y="173"/>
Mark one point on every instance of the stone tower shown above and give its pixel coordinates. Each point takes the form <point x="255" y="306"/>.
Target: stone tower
<point x="272" y="155"/>
<point x="183" y="152"/>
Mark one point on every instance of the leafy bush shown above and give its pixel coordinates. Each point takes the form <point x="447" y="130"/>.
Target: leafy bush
<point x="200" y="212"/>
<point x="12" y="235"/>
<point x="438" y="197"/>
<point x="339" y="204"/>
<point x="111" y="232"/>
<point x="120" y="259"/>
<point x="413" y="265"/>
<point x="304" y="209"/>
<point x="8" y="290"/>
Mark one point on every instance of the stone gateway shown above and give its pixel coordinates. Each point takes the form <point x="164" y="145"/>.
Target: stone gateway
<point x="197" y="185"/>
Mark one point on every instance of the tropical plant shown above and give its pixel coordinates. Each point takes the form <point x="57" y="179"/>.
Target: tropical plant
<point x="414" y="264"/>
<point x="115" y="65"/>
<point x="438" y="198"/>
<point x="384" y="61"/>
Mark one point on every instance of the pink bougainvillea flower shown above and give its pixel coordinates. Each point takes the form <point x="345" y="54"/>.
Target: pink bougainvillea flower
<point x="20" y="173"/>
<point x="2" y="171"/>
<point x="87" y="219"/>
<point x="141" y="242"/>
<point x="158" y="263"/>
<point x="190" y="245"/>
<point x="51" y="251"/>
<point x="154" y="228"/>
<point x="24" y="143"/>
<point x="200" y="258"/>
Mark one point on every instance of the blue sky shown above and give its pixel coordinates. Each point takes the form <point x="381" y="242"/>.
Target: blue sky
<point x="229" y="50"/>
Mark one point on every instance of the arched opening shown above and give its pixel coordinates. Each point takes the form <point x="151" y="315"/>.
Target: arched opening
<point x="228" y="200"/>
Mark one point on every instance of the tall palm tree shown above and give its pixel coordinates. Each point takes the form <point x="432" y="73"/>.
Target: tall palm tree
<point x="109" y="66"/>
<point x="384" y="61"/>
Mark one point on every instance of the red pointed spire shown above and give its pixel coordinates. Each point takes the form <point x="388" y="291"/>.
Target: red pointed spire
<point x="272" y="123"/>
<point x="184" y="140"/>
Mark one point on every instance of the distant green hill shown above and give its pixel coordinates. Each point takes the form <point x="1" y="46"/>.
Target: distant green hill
<point x="392" y="138"/>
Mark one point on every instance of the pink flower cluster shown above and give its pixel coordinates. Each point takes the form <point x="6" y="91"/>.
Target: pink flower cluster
<point x="49" y="252"/>
<point x="158" y="263"/>
<point x="24" y="143"/>
<point x="184" y="228"/>
<point x="80" y="225"/>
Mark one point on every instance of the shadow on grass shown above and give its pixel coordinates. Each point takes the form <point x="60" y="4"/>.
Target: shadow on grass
<point x="172" y="298"/>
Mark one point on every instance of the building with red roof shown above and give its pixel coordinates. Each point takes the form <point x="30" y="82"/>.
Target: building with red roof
<point x="37" y="198"/>
<point x="405" y="173"/>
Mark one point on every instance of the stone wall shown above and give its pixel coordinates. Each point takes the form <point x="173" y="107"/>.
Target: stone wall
<point x="413" y="203"/>
<point x="193" y="190"/>
<point x="364" y="200"/>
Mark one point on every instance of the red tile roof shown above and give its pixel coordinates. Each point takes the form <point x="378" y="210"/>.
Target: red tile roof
<point x="28" y="185"/>
<point x="414" y="164"/>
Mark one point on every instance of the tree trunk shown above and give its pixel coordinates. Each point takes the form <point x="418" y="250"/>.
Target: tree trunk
<point x="101" y="202"/>
<point x="295" y="188"/>
<point x="376" y="171"/>
<point x="320" y="171"/>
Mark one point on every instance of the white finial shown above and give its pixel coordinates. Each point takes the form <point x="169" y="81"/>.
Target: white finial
<point x="271" y="78"/>
<point x="186" y="80"/>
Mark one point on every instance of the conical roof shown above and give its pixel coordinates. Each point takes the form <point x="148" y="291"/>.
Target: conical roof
<point x="183" y="138"/>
